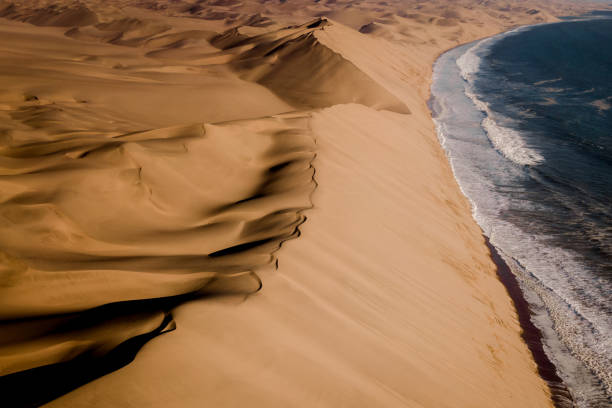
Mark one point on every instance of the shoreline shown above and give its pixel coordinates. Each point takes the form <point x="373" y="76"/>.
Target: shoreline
<point x="531" y="334"/>
<point x="536" y="318"/>
<point x="392" y="291"/>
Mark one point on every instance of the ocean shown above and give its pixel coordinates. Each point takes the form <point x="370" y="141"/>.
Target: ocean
<point x="525" y="118"/>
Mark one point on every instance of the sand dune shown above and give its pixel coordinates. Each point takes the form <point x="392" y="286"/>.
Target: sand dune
<point x="126" y="31"/>
<point x="294" y="64"/>
<point x="168" y="215"/>
<point x="382" y="316"/>
<point x="102" y="205"/>
<point x="156" y="154"/>
<point x="52" y="15"/>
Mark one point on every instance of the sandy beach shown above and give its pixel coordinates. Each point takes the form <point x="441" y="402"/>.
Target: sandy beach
<point x="161" y="161"/>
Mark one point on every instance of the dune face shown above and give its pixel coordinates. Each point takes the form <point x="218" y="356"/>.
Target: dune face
<point x="140" y="190"/>
<point x="156" y="154"/>
<point x="53" y="15"/>
<point x="104" y="202"/>
<point x="293" y="63"/>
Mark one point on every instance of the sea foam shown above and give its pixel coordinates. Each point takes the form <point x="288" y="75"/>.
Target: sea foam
<point x="574" y="321"/>
<point x="507" y="141"/>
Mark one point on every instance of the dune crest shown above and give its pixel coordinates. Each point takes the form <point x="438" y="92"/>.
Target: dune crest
<point x="293" y="63"/>
<point x="53" y="15"/>
<point x="105" y="210"/>
<point x="157" y="232"/>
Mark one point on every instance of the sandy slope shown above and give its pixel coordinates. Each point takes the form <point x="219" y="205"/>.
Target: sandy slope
<point x="166" y="149"/>
<point x="101" y="204"/>
<point x="387" y="299"/>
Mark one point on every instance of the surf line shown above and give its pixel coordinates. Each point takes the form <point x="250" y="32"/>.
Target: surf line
<point x="532" y="336"/>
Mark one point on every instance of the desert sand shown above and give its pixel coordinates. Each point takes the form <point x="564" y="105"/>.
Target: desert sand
<point x="167" y="149"/>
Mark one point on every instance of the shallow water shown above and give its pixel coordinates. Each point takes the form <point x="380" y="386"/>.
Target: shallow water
<point x="526" y="120"/>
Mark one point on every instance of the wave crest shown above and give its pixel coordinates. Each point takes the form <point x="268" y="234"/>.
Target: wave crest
<point x="509" y="142"/>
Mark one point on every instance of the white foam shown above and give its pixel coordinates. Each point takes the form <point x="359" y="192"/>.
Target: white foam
<point x="578" y="320"/>
<point x="469" y="62"/>
<point x="570" y="303"/>
<point x="567" y="336"/>
<point x="507" y="141"/>
<point x="547" y="81"/>
<point x="511" y="144"/>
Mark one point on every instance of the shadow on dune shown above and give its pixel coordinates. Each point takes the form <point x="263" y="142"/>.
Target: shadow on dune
<point x="102" y="234"/>
<point x="105" y="227"/>
<point x="79" y="306"/>
<point x="294" y="64"/>
<point x="37" y="386"/>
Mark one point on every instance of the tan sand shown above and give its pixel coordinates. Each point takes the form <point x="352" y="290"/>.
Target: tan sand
<point x="146" y="153"/>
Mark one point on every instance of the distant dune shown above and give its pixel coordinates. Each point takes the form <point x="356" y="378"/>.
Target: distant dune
<point x="156" y="154"/>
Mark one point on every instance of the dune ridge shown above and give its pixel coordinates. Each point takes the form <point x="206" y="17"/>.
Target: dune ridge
<point x="103" y="206"/>
<point x="156" y="154"/>
<point x="61" y="263"/>
<point x="293" y="63"/>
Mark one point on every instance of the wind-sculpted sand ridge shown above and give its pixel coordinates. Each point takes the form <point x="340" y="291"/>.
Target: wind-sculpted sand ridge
<point x="101" y="209"/>
<point x="153" y="219"/>
<point x="159" y="234"/>
<point x="293" y="63"/>
<point x="168" y="215"/>
<point x="54" y="15"/>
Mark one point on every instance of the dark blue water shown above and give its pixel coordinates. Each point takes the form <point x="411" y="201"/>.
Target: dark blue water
<point x="553" y="84"/>
<point x="526" y="119"/>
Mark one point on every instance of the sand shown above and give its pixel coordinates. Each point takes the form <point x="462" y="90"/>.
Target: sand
<point x="170" y="149"/>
